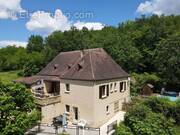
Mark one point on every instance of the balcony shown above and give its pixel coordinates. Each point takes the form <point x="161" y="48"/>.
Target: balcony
<point x="43" y="100"/>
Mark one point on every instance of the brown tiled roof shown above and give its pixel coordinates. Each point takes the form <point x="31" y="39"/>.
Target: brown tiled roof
<point x="95" y="64"/>
<point x="33" y="79"/>
<point x="91" y="64"/>
<point x="61" y="63"/>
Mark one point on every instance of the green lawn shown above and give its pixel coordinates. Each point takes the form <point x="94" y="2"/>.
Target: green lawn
<point x="7" y="77"/>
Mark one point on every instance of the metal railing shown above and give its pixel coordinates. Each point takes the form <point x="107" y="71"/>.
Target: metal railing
<point x="69" y="130"/>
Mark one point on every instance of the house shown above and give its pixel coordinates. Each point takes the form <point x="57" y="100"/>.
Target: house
<point x="85" y="84"/>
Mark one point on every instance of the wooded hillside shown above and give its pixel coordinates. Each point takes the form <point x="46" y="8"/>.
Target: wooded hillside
<point x="148" y="45"/>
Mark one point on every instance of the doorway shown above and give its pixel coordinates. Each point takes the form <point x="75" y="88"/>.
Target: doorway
<point x="75" y="111"/>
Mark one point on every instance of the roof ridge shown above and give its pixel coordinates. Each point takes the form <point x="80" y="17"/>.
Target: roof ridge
<point x="91" y="49"/>
<point x="91" y="65"/>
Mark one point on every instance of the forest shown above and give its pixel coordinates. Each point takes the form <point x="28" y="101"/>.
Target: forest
<point x="147" y="48"/>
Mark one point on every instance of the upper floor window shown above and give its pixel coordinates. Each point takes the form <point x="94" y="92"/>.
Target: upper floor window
<point x="115" y="87"/>
<point x="103" y="91"/>
<point x="122" y="86"/>
<point x="55" y="87"/>
<point x="111" y="87"/>
<point x="67" y="88"/>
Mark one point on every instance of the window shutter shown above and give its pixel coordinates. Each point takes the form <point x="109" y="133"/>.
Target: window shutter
<point x="100" y="93"/>
<point x="107" y="90"/>
<point x="125" y="86"/>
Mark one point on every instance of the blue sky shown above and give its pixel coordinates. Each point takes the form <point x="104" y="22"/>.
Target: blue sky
<point x="101" y="13"/>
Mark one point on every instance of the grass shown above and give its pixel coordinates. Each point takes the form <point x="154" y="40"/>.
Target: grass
<point x="7" y="77"/>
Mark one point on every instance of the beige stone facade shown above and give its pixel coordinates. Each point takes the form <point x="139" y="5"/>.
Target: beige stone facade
<point x="80" y="85"/>
<point x="83" y="99"/>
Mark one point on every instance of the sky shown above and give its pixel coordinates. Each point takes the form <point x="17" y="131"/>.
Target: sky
<point x="21" y="18"/>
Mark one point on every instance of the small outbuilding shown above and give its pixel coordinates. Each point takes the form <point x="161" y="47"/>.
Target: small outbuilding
<point x="147" y="90"/>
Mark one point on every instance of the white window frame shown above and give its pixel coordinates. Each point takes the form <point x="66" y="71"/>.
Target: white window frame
<point x="107" y="110"/>
<point x="67" y="91"/>
<point x="123" y="89"/>
<point x="115" y="87"/>
<point x="105" y="91"/>
<point x="66" y="109"/>
<point x="111" y="88"/>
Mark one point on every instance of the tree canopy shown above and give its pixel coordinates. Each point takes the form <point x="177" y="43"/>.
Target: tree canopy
<point x="17" y="109"/>
<point x="144" y="45"/>
<point x="150" y="116"/>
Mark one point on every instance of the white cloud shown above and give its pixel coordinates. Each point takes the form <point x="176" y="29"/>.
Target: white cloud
<point x="11" y="43"/>
<point x="41" y="21"/>
<point x="89" y="25"/>
<point x="45" y="22"/>
<point x="159" y="7"/>
<point x="10" y="8"/>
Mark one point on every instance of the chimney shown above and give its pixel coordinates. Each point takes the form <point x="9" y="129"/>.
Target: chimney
<point x="82" y="53"/>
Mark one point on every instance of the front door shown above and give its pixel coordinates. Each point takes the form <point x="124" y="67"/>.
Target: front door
<point x="75" y="111"/>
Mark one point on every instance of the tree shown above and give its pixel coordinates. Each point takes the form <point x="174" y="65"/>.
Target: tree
<point x="34" y="64"/>
<point x="167" y="60"/>
<point x="150" y="116"/>
<point x="35" y="44"/>
<point x="139" y="80"/>
<point x="122" y="129"/>
<point x="17" y="109"/>
<point x="142" y="121"/>
<point x="12" y="58"/>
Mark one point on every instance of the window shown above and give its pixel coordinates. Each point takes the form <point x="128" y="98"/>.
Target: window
<point x="55" y="87"/>
<point x="111" y="88"/>
<point x="122" y="86"/>
<point x="107" y="109"/>
<point x="67" y="88"/>
<point x="103" y="91"/>
<point x="67" y="109"/>
<point x="116" y="106"/>
<point x="107" y="90"/>
<point x="75" y="110"/>
<point x="111" y="127"/>
<point x="115" y="87"/>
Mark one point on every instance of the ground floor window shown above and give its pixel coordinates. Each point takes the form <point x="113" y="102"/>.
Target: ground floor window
<point x="111" y="127"/>
<point x="67" y="109"/>
<point x="75" y="110"/>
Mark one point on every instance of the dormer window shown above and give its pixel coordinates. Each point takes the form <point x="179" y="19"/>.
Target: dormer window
<point x="69" y="66"/>
<point x="56" y="66"/>
<point x="79" y="67"/>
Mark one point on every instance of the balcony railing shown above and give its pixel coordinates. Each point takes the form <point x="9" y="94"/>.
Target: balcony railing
<point x="46" y="99"/>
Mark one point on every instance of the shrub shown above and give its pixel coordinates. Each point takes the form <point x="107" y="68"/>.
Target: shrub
<point x="142" y="121"/>
<point x="122" y="129"/>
